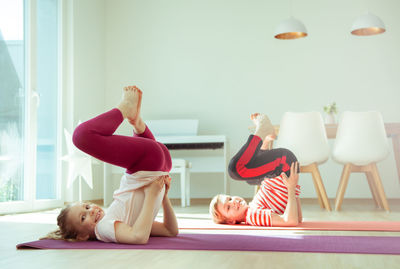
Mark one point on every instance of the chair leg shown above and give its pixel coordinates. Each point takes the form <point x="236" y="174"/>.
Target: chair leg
<point x="379" y="187"/>
<point x="256" y="188"/>
<point x="187" y="173"/>
<point x="183" y="188"/>
<point x="320" y="185"/>
<point x="374" y="192"/>
<point x="342" y="186"/>
<point x="308" y="169"/>
<point x="321" y="203"/>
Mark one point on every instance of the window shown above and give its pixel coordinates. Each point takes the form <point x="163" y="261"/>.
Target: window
<point x="29" y="105"/>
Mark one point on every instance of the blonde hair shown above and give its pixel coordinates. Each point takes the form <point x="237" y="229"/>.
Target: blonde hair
<point x="65" y="230"/>
<point x="215" y="214"/>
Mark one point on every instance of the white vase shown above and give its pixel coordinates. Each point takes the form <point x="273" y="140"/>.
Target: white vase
<point x="330" y="118"/>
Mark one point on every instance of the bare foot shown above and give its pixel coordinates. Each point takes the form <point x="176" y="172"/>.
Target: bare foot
<point x="267" y="143"/>
<point x="264" y="126"/>
<point x="130" y="106"/>
<point x="137" y="123"/>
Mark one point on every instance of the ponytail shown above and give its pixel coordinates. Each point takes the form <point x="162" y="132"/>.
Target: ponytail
<point x="65" y="231"/>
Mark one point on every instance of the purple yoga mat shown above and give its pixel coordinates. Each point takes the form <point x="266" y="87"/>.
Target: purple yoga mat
<point x="287" y="243"/>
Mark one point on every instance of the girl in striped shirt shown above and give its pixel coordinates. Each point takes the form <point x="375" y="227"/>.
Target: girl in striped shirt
<point x="277" y="201"/>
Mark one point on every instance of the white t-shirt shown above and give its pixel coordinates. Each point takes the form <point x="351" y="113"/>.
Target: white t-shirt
<point x="127" y="204"/>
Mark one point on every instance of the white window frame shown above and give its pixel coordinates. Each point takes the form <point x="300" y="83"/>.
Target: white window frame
<point x="30" y="203"/>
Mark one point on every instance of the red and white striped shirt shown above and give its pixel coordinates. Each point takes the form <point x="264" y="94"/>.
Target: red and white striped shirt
<point x="271" y="197"/>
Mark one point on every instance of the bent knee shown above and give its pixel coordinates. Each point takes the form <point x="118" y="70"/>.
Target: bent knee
<point x="232" y="170"/>
<point x="291" y="157"/>
<point x="80" y="137"/>
<point x="232" y="166"/>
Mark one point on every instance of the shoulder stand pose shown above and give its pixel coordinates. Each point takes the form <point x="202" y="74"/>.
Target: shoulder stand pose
<point x="143" y="188"/>
<point x="277" y="201"/>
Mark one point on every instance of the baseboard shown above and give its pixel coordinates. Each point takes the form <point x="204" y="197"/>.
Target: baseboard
<point x="205" y="201"/>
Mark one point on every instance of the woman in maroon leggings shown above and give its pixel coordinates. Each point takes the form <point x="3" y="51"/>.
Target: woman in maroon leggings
<point x="143" y="188"/>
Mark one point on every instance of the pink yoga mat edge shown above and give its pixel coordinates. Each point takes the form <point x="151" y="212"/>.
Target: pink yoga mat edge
<point x="379" y="226"/>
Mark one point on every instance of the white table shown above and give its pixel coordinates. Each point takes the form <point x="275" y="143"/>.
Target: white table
<point x="207" y="154"/>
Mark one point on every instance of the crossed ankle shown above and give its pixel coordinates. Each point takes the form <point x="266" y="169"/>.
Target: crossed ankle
<point x="264" y="126"/>
<point x="139" y="126"/>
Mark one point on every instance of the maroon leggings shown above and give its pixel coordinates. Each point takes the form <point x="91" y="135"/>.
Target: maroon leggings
<point x="135" y="153"/>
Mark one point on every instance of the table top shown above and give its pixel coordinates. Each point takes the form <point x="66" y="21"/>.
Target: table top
<point x="392" y="129"/>
<point x="193" y="139"/>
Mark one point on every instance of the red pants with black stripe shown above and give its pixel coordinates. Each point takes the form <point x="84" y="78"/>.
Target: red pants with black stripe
<point x="253" y="164"/>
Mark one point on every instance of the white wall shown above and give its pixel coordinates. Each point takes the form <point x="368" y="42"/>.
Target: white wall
<point x="217" y="60"/>
<point x="84" y="76"/>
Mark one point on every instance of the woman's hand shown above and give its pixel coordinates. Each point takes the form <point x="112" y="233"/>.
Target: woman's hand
<point x="167" y="182"/>
<point x="292" y="181"/>
<point x="154" y="188"/>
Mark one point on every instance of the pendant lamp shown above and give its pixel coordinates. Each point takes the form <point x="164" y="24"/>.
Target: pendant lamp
<point x="368" y="24"/>
<point x="290" y="29"/>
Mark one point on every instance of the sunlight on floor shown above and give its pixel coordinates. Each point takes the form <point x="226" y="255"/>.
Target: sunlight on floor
<point x="44" y="217"/>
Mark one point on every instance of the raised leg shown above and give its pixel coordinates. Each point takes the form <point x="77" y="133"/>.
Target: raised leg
<point x="251" y="163"/>
<point x="96" y="137"/>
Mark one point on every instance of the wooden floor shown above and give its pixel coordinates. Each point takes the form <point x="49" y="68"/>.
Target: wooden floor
<point x="20" y="228"/>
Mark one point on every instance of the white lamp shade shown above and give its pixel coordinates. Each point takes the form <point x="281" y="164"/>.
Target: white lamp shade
<point x="368" y="24"/>
<point x="290" y="29"/>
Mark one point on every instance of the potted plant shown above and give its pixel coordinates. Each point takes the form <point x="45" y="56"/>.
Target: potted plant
<point x="331" y="111"/>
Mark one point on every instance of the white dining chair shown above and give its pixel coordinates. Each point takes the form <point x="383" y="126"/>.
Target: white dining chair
<point x="182" y="167"/>
<point x="305" y="135"/>
<point x="360" y="143"/>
